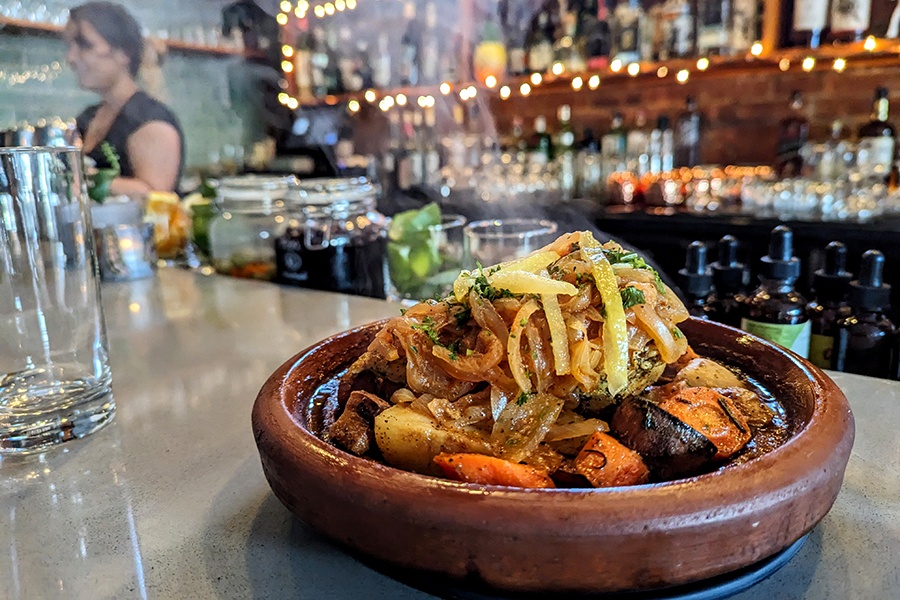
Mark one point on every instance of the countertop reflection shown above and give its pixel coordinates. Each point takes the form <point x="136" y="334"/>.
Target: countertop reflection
<point x="170" y="500"/>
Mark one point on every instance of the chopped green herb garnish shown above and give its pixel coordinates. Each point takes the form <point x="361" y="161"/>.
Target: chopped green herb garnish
<point x="522" y="399"/>
<point x="427" y="327"/>
<point x="469" y="352"/>
<point x="403" y="311"/>
<point x="484" y="289"/>
<point x="534" y="355"/>
<point x="462" y="316"/>
<point x="414" y="349"/>
<point x="631" y="296"/>
<point x="677" y="333"/>
<point x="523" y="322"/>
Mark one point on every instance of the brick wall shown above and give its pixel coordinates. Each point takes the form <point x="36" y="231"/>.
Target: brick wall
<point x="742" y="107"/>
<point x="196" y="86"/>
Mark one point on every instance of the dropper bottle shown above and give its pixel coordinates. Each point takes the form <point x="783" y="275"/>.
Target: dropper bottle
<point x="775" y="310"/>
<point x="864" y="338"/>
<point x="696" y="279"/>
<point x="730" y="280"/>
<point x="831" y="286"/>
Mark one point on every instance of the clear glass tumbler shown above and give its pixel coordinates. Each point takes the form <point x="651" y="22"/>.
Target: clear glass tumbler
<point x="491" y="242"/>
<point x="54" y="370"/>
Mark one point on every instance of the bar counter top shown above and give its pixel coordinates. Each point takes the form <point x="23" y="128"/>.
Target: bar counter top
<point x="170" y="500"/>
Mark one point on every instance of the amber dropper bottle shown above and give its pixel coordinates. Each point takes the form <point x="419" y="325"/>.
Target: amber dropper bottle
<point x="696" y="279"/>
<point x="831" y="285"/>
<point x="730" y="280"/>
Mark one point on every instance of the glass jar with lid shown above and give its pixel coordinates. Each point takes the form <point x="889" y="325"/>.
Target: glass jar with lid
<point x="335" y="239"/>
<point x="250" y="216"/>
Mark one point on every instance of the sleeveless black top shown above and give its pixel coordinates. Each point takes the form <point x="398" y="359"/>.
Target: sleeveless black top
<point x="137" y="112"/>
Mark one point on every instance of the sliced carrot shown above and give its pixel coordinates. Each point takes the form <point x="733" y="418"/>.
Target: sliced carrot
<point x="488" y="470"/>
<point x="713" y="415"/>
<point x="606" y="462"/>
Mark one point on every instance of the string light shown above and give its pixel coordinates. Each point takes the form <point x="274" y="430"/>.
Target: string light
<point x="287" y="66"/>
<point x="283" y="98"/>
<point x="340" y="5"/>
<point x="388" y="101"/>
<point x="445" y="88"/>
<point x="353" y="106"/>
<point x="370" y="96"/>
<point x="869" y="44"/>
<point x="504" y="92"/>
<point x="285" y="6"/>
<point x="525" y="89"/>
<point x="329" y="8"/>
<point x="594" y="82"/>
<point x="808" y="63"/>
<point x="299" y="12"/>
<point x="42" y="74"/>
<point x="472" y="91"/>
<point x="287" y="51"/>
<point x="383" y="105"/>
<point x="281" y="19"/>
<point x="756" y="49"/>
<point x="293" y="104"/>
<point x="536" y="79"/>
<point x="557" y="68"/>
<point x="490" y="81"/>
<point x="662" y="72"/>
<point x="401" y="99"/>
<point x="577" y="83"/>
<point x="464" y="94"/>
<point x="839" y="64"/>
<point x="682" y="76"/>
<point x="784" y="64"/>
<point x="615" y="66"/>
<point x="634" y="69"/>
<point x="319" y="11"/>
<point x="351" y="4"/>
<point x="703" y="64"/>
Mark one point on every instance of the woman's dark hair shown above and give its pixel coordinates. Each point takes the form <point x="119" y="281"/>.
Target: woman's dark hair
<point x="116" y="26"/>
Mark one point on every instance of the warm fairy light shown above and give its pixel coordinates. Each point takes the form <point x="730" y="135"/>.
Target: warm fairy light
<point x="285" y="6"/>
<point x="329" y="8"/>
<point x="490" y="81"/>
<point x="703" y="64"/>
<point x="557" y="68"/>
<point x="421" y="101"/>
<point x="370" y="96"/>
<point x="340" y="5"/>
<point x="401" y="99"/>
<point x="464" y="94"/>
<point x="299" y="12"/>
<point x="472" y="91"/>
<point x="869" y="44"/>
<point x="351" y="4"/>
<point x="353" y="106"/>
<point x="756" y="49"/>
<point x="505" y="92"/>
<point x="383" y="105"/>
<point x="288" y="51"/>
<point x="784" y="64"/>
<point x="682" y="76"/>
<point x="615" y="66"/>
<point x="283" y="98"/>
<point x="281" y="19"/>
<point x="287" y="66"/>
<point x="594" y="82"/>
<point x="662" y="72"/>
<point x="536" y="79"/>
<point x="445" y="88"/>
<point x="525" y="89"/>
<point x="431" y="101"/>
<point x="633" y="69"/>
<point x="577" y="83"/>
<point x="388" y="101"/>
<point x="292" y="103"/>
<point x="808" y="63"/>
<point x="319" y="10"/>
<point x="839" y="64"/>
<point x="303" y="5"/>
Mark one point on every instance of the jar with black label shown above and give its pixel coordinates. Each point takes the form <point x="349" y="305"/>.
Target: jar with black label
<point x="335" y="238"/>
<point x="250" y="216"/>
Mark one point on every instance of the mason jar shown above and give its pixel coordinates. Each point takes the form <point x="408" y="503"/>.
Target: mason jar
<point x="335" y="238"/>
<point x="250" y="216"/>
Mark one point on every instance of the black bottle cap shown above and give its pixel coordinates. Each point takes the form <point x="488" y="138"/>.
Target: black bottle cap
<point x="881" y="93"/>
<point x="729" y="275"/>
<point x="869" y="292"/>
<point x="662" y="122"/>
<point x="832" y="283"/>
<point x="781" y="262"/>
<point x="696" y="277"/>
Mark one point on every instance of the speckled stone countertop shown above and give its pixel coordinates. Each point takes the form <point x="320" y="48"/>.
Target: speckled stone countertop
<point x="170" y="500"/>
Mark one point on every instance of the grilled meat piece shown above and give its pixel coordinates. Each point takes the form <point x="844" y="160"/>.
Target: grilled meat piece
<point x="354" y="429"/>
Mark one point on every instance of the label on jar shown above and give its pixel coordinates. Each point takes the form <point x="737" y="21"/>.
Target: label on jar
<point x="820" y="349"/>
<point x="289" y="260"/>
<point x="793" y="337"/>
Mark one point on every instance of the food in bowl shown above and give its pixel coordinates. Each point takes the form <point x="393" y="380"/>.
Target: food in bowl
<point x="563" y="368"/>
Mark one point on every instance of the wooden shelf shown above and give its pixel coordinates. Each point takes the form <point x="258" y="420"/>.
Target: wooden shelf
<point x="172" y="45"/>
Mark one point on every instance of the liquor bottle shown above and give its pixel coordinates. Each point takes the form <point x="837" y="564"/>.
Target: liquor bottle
<point x="793" y="133"/>
<point x="885" y="19"/>
<point x="688" y="134"/>
<point x="431" y="48"/>
<point x="662" y="147"/>
<point x="849" y="19"/>
<point x="382" y="73"/>
<point x="714" y="20"/>
<point x="612" y="145"/>
<point x="695" y="280"/>
<point x="597" y="36"/>
<point x="489" y="58"/>
<point x="681" y="41"/>
<point x="831" y="286"/>
<point x="303" y="76"/>
<point x="519" y="145"/>
<point x="627" y="26"/>
<point x="864" y="340"/>
<point x="513" y="17"/>
<point x="775" y="310"/>
<point x="389" y="159"/>
<point x="432" y="155"/>
<point x="363" y="72"/>
<point x="410" y="47"/>
<point x="319" y="61"/>
<point x="810" y="20"/>
<point x="637" y="146"/>
<point x="730" y="280"/>
<point x="565" y="151"/>
<point x="540" y="46"/>
<point x="746" y="24"/>
<point x="569" y="49"/>
<point x="542" y="144"/>
<point x="590" y="167"/>
<point x="334" y="79"/>
<point x="877" y="140"/>
<point x="832" y="166"/>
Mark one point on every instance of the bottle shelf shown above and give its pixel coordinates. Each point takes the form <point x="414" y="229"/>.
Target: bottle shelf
<point x="846" y="57"/>
<point x="173" y="45"/>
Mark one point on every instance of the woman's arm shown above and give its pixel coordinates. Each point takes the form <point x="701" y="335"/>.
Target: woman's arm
<point x="154" y="151"/>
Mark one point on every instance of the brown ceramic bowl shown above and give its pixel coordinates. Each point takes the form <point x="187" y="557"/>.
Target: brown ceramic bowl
<point x="603" y="540"/>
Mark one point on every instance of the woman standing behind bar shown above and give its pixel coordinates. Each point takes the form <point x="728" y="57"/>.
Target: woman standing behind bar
<point x="105" y="48"/>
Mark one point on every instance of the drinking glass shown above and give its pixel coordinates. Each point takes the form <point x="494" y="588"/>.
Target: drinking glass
<point x="424" y="264"/>
<point x="492" y="242"/>
<point x="54" y="371"/>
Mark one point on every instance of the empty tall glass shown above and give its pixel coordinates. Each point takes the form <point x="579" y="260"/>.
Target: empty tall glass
<point x="54" y="372"/>
<point x="493" y="242"/>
